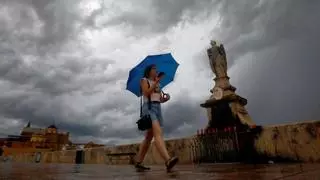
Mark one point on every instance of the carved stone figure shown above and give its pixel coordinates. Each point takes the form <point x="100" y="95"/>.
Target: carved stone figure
<point x="218" y="59"/>
<point x="218" y="63"/>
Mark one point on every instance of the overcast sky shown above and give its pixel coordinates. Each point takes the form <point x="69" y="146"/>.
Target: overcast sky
<point x="67" y="61"/>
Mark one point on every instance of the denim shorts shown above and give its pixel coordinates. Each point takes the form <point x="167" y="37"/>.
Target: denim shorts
<point x="154" y="111"/>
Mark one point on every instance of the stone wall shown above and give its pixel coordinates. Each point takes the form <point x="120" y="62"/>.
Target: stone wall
<point x="176" y="147"/>
<point x="20" y="150"/>
<point x="299" y="141"/>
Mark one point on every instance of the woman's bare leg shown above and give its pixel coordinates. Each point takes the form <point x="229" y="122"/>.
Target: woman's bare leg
<point x="144" y="146"/>
<point x="158" y="140"/>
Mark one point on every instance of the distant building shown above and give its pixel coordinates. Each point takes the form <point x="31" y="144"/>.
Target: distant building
<point x="48" y="138"/>
<point x="31" y="139"/>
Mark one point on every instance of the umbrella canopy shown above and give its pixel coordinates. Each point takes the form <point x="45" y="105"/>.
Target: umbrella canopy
<point x="164" y="63"/>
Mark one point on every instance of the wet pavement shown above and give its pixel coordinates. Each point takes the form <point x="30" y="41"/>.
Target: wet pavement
<point x="15" y="171"/>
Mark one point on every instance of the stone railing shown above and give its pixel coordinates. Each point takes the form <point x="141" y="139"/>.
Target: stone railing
<point x="299" y="142"/>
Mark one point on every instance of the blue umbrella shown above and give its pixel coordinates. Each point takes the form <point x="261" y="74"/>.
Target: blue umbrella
<point x="164" y="63"/>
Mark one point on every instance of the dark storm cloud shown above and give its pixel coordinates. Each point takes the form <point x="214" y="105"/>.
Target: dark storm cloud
<point x="72" y="75"/>
<point x="43" y="110"/>
<point x="255" y="25"/>
<point x="271" y="44"/>
<point x="277" y="40"/>
<point x="36" y="78"/>
<point x="58" y="19"/>
<point x="169" y="13"/>
<point x="163" y="15"/>
<point x="183" y="111"/>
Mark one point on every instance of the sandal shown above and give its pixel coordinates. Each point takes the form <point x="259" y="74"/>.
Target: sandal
<point x="171" y="163"/>
<point x="140" y="167"/>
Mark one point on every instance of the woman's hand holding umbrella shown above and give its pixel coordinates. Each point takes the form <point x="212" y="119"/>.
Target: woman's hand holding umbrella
<point x="159" y="77"/>
<point x="157" y="81"/>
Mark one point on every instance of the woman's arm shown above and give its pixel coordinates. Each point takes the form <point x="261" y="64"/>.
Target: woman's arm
<point x="146" y="88"/>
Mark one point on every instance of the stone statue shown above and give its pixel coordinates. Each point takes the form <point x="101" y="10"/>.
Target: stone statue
<point x="218" y="60"/>
<point x="218" y="63"/>
<point x="223" y="91"/>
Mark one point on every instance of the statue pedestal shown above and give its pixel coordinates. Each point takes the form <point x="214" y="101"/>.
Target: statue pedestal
<point x="229" y="111"/>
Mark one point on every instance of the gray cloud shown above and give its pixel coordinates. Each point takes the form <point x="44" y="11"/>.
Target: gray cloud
<point x="41" y="25"/>
<point x="159" y="16"/>
<point x="271" y="46"/>
<point x="36" y="82"/>
<point x="256" y="25"/>
<point x="183" y="112"/>
<point x="277" y="42"/>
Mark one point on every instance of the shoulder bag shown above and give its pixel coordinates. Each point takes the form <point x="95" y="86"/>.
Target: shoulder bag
<point x="145" y="122"/>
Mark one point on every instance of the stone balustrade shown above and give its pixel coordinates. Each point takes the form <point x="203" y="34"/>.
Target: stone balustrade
<point x="300" y="141"/>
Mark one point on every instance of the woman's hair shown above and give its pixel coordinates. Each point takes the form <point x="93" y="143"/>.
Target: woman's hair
<point x="147" y="70"/>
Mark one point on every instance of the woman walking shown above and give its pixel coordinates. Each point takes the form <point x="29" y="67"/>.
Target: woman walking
<point x="152" y="99"/>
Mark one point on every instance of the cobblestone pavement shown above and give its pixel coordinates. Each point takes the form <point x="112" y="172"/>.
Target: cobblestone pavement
<point x="14" y="171"/>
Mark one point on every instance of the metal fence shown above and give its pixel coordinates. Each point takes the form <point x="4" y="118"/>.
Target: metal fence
<point x="219" y="146"/>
